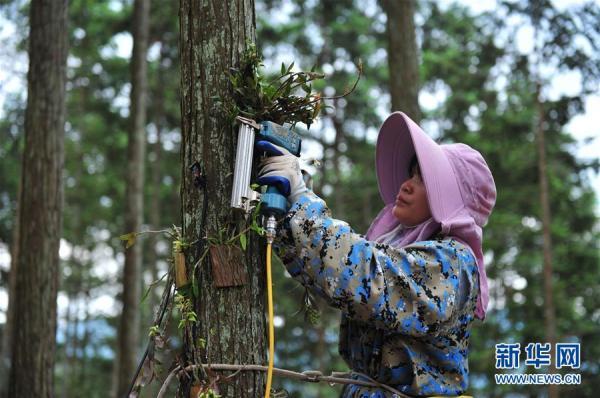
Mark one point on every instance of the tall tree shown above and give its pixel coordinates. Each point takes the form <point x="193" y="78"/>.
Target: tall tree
<point x="230" y="320"/>
<point x="500" y="121"/>
<point x="130" y="316"/>
<point x="546" y="215"/>
<point x="558" y="37"/>
<point x="41" y="202"/>
<point x="403" y="59"/>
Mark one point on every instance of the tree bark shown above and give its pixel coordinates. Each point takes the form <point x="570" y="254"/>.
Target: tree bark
<point x="213" y="37"/>
<point x="403" y="60"/>
<point x="41" y="203"/>
<point x="130" y="316"/>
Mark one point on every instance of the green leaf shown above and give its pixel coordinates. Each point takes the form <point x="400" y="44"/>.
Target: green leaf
<point x="194" y="285"/>
<point x="259" y="230"/>
<point x="282" y="68"/>
<point x="129" y="238"/>
<point x="153" y="331"/>
<point x="243" y="241"/>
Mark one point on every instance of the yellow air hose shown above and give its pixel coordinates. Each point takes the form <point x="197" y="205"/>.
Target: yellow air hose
<point x="271" y="328"/>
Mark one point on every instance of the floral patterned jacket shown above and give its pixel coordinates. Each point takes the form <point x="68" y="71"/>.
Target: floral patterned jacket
<point x="406" y="312"/>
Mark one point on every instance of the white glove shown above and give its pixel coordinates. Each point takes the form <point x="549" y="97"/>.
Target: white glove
<point x="282" y="170"/>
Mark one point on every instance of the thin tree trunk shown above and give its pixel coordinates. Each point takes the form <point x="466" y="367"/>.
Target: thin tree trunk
<point x="130" y="317"/>
<point x="339" y="199"/>
<point x="549" y="309"/>
<point x="156" y="178"/>
<point x="73" y="342"/>
<point x="40" y="218"/>
<point x="231" y="320"/>
<point x="403" y="60"/>
<point x="70" y="336"/>
<point x="85" y="339"/>
<point x="10" y="313"/>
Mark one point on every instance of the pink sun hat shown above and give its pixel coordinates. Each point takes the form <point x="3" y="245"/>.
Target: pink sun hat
<point x="460" y="187"/>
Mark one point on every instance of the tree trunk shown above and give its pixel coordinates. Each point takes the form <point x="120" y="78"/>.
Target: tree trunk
<point x="231" y="319"/>
<point x="68" y="346"/>
<point x="156" y="180"/>
<point x="85" y="339"/>
<point x="403" y="58"/>
<point x="10" y="309"/>
<point x="66" y="379"/>
<point x="339" y="200"/>
<point x="41" y="202"/>
<point x="130" y="317"/>
<point x="73" y="343"/>
<point x="549" y="310"/>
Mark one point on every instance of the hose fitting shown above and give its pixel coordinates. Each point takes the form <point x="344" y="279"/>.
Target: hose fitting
<point x="271" y="228"/>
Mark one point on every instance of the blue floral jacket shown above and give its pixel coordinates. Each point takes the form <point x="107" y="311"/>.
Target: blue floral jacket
<point x="406" y="312"/>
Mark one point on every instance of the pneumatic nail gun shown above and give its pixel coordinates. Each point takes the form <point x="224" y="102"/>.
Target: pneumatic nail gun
<point x="272" y="203"/>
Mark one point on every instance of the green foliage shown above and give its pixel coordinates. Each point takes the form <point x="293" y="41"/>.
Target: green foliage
<point x="186" y="310"/>
<point x="243" y="241"/>
<point x="153" y="331"/>
<point x="278" y="99"/>
<point x="209" y="393"/>
<point x="129" y="239"/>
<point x="311" y="310"/>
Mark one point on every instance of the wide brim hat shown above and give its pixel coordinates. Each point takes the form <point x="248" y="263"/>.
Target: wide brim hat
<point x="460" y="187"/>
<point x="399" y="140"/>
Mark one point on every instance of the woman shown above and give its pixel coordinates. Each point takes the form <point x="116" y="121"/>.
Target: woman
<point x="410" y="289"/>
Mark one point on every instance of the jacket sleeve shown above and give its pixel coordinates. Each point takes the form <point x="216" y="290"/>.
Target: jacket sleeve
<point x="411" y="290"/>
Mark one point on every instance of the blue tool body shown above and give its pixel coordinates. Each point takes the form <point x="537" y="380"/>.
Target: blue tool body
<point x="272" y="201"/>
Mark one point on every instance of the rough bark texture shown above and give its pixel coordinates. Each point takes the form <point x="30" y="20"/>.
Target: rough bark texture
<point x="41" y="202"/>
<point x="130" y="317"/>
<point x="403" y="58"/>
<point x="213" y="38"/>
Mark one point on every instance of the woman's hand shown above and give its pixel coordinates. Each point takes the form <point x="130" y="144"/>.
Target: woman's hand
<point x="281" y="169"/>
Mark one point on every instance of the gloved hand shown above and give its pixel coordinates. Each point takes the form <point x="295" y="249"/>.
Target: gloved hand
<point x="281" y="169"/>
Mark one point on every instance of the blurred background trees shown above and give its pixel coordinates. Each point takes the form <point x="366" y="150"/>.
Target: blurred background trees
<point x="477" y="83"/>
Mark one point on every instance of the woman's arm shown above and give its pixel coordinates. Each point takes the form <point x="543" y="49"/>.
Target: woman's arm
<point x="411" y="290"/>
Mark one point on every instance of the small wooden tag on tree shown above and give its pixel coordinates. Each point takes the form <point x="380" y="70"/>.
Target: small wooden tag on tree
<point x="180" y="275"/>
<point x="227" y="266"/>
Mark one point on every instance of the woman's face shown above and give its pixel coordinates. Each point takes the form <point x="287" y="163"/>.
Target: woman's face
<point x="412" y="206"/>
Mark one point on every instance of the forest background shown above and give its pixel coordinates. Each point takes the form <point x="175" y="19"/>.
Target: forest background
<point x="478" y="76"/>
